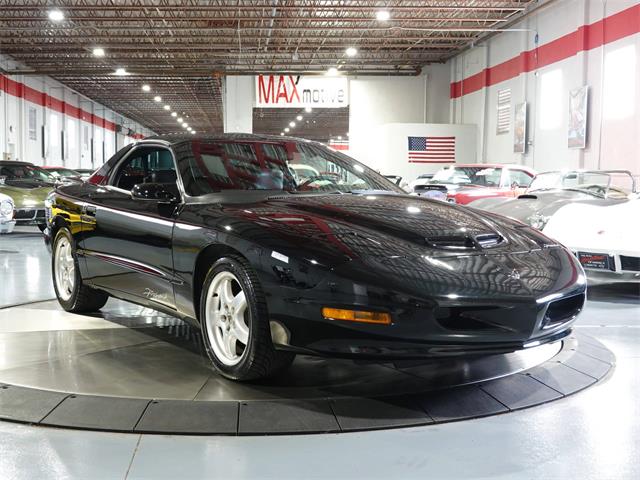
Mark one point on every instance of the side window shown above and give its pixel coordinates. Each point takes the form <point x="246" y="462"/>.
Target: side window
<point x="522" y="179"/>
<point x="147" y="165"/>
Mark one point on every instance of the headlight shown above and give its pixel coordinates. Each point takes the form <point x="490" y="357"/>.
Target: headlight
<point x="6" y="209"/>
<point x="538" y="221"/>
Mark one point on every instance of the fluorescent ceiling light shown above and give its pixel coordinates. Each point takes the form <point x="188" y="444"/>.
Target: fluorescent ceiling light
<point x="308" y="109"/>
<point x="167" y="107"/>
<point x="56" y="15"/>
<point x="157" y="98"/>
<point x="180" y="120"/>
<point x="286" y="129"/>
<point x="332" y="72"/>
<point x="299" y="117"/>
<point x="292" y="124"/>
<point x="174" y="114"/>
<point x="282" y="133"/>
<point x="121" y="72"/>
<point x="146" y="88"/>
<point x="351" y="52"/>
<point x="193" y="132"/>
<point x="98" y="52"/>
<point x="383" y="15"/>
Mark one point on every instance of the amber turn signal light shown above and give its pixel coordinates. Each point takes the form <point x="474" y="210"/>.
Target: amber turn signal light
<point x="356" y="316"/>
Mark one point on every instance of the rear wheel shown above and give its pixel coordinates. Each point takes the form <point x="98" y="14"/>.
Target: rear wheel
<point x="73" y="295"/>
<point x="235" y="323"/>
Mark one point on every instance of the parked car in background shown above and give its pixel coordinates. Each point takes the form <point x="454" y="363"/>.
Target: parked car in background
<point x="464" y="183"/>
<point x="28" y="186"/>
<point x="7" y="213"/>
<point x="397" y="179"/>
<point x="85" y="173"/>
<point x="605" y="238"/>
<point x="419" y="181"/>
<point x="552" y="190"/>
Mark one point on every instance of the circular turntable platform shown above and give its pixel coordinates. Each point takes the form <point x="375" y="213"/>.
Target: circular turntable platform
<point x="132" y="369"/>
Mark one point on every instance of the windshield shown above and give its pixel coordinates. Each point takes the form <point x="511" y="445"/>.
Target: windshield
<point x="483" y="176"/>
<point x="599" y="184"/>
<point x="63" y="172"/>
<point x="25" y="172"/>
<point x="209" y="167"/>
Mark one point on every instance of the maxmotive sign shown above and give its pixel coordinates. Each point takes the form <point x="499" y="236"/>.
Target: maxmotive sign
<point x="288" y="91"/>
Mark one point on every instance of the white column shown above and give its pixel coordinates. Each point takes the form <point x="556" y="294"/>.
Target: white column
<point x="238" y="104"/>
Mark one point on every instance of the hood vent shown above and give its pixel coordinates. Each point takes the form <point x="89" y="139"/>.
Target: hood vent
<point x="489" y="240"/>
<point x="452" y="242"/>
<point x="459" y="242"/>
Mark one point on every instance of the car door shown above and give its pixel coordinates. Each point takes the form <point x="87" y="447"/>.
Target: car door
<point x="128" y="241"/>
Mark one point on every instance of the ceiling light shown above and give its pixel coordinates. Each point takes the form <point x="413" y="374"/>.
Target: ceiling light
<point x="383" y="15"/>
<point x="193" y="132"/>
<point x="332" y="72"/>
<point x="281" y="133"/>
<point x="189" y="129"/>
<point x="308" y="109"/>
<point x="286" y="129"/>
<point x="121" y="72"/>
<point x="56" y="15"/>
<point x="157" y="98"/>
<point x="180" y="120"/>
<point x="185" y="125"/>
<point x="98" y="52"/>
<point x="167" y="107"/>
<point x="299" y="117"/>
<point x="146" y="88"/>
<point x="339" y="137"/>
<point x="174" y="114"/>
<point x="351" y="52"/>
<point x="292" y="124"/>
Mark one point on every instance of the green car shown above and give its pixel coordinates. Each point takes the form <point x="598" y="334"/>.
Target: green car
<point x="28" y="186"/>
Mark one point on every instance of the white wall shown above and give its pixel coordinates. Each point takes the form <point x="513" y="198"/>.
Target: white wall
<point x="612" y="73"/>
<point x="391" y="155"/>
<point x="57" y="127"/>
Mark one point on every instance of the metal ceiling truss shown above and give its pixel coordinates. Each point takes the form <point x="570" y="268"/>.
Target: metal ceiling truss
<point x="182" y="48"/>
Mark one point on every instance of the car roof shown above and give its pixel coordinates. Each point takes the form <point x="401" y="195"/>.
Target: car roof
<point x="15" y="162"/>
<point x="175" y="139"/>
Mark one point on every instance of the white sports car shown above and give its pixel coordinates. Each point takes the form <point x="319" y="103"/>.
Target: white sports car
<point x="606" y="239"/>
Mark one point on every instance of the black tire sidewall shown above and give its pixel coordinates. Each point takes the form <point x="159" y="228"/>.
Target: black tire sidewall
<point x="242" y="368"/>
<point x="66" y="304"/>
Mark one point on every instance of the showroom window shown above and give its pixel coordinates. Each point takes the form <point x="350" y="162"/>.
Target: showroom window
<point x="620" y="83"/>
<point x="551" y="103"/>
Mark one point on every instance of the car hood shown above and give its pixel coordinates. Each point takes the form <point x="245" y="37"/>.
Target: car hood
<point x="385" y="226"/>
<point x="541" y="203"/>
<point x="28" y="184"/>
<point x="27" y="197"/>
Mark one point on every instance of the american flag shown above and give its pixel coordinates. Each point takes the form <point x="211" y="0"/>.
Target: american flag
<point x="432" y="149"/>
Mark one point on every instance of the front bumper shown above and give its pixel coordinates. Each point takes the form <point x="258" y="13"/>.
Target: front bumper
<point x="6" y="226"/>
<point x="477" y="310"/>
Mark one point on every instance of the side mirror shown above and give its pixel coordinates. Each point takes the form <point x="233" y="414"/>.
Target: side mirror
<point x="153" y="191"/>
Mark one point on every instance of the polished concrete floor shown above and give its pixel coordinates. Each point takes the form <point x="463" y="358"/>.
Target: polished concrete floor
<point x="593" y="434"/>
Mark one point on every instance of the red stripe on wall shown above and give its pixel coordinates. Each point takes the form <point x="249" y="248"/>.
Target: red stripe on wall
<point x="587" y="37"/>
<point x="20" y="90"/>
<point x="433" y="161"/>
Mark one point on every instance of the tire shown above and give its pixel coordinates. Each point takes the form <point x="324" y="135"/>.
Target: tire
<point x="73" y="295"/>
<point x="235" y="323"/>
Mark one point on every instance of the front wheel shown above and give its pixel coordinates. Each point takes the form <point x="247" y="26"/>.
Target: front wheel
<point x="73" y="295"/>
<point x="235" y="323"/>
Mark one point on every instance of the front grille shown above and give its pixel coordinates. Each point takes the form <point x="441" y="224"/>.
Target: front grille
<point x="467" y="319"/>
<point x="563" y="310"/>
<point x="631" y="264"/>
<point x="25" y="214"/>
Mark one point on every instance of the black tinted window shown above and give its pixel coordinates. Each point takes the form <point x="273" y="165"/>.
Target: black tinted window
<point x="147" y="165"/>
<point x="208" y="167"/>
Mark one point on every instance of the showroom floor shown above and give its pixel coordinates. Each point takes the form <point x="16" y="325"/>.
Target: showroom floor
<point x="592" y="434"/>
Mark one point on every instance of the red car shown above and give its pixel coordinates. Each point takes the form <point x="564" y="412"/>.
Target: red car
<point x="465" y="183"/>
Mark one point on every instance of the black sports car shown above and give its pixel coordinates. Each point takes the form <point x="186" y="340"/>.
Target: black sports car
<point x="219" y="231"/>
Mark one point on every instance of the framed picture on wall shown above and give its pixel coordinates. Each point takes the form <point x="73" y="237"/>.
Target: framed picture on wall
<point x="520" y="128"/>
<point x="578" y="113"/>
